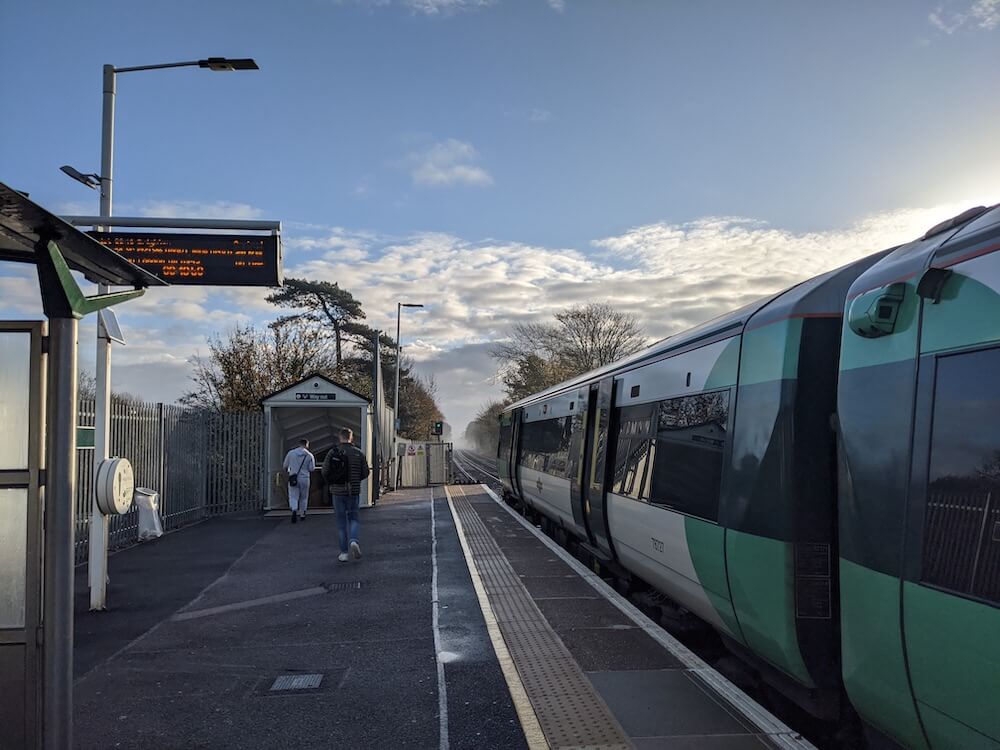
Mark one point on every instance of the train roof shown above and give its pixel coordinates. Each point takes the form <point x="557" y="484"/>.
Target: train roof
<point x="821" y="295"/>
<point x="970" y="233"/>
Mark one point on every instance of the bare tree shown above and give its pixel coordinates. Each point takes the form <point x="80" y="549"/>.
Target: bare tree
<point x="249" y="363"/>
<point x="539" y="355"/>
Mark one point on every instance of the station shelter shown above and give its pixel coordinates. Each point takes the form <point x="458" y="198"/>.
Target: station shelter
<point x="38" y="480"/>
<point x="315" y="408"/>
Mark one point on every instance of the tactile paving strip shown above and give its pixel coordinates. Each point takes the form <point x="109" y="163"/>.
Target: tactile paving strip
<point x="569" y="711"/>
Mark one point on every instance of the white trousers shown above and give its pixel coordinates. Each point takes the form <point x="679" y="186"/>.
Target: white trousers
<point x="298" y="496"/>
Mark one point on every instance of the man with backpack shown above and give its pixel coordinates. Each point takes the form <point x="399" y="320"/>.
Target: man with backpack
<point x="344" y="468"/>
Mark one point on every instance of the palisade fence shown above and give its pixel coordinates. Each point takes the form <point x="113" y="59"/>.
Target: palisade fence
<point x="201" y="464"/>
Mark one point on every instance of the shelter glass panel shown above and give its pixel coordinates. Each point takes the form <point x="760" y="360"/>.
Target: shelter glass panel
<point x="15" y="381"/>
<point x="962" y="524"/>
<point x="13" y="555"/>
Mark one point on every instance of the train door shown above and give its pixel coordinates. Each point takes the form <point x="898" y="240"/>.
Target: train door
<point x="515" y="453"/>
<point x="504" y="450"/>
<point x="593" y="496"/>
<point x="579" y="454"/>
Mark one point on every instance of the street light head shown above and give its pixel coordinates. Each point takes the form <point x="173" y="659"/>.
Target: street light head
<point x="409" y="304"/>
<point x="93" y="181"/>
<point x="226" y="64"/>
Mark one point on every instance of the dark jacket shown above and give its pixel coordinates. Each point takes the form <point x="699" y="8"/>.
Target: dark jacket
<point x="357" y="467"/>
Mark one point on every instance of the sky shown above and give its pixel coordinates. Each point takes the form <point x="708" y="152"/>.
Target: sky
<point x="500" y="160"/>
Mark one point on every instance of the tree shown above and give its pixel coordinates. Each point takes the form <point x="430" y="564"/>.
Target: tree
<point x="418" y="409"/>
<point x="249" y="363"/>
<point x="319" y="303"/>
<point x="537" y="356"/>
<point x="483" y="432"/>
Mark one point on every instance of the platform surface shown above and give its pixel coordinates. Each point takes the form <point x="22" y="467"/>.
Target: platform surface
<point x="460" y="627"/>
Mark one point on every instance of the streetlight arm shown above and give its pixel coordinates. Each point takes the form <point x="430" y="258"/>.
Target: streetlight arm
<point x="188" y="64"/>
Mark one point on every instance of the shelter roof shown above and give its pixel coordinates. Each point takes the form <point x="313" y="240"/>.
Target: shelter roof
<point x="318" y="383"/>
<point x="23" y="223"/>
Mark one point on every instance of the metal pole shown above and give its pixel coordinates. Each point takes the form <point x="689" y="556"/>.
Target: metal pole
<point x="377" y="407"/>
<point x="60" y="492"/>
<point x="97" y="565"/>
<point x="395" y="408"/>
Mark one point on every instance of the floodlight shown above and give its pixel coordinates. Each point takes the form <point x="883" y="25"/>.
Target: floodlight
<point x="225" y="64"/>
<point x="93" y="181"/>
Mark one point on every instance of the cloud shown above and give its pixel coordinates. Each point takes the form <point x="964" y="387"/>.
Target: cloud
<point x="441" y="8"/>
<point x="446" y="163"/>
<point x="445" y="7"/>
<point x="982" y="15"/>
<point x="557" y="5"/>
<point x="670" y="275"/>
<point x="178" y="209"/>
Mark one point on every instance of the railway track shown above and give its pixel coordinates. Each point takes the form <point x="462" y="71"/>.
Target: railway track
<point x="476" y="468"/>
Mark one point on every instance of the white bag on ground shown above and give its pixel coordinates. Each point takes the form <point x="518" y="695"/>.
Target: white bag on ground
<point x="148" y="503"/>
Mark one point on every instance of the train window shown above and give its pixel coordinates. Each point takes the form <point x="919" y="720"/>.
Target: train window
<point x="545" y="445"/>
<point x="962" y="525"/>
<point x="687" y="457"/>
<point x="503" y="448"/>
<point x="633" y="451"/>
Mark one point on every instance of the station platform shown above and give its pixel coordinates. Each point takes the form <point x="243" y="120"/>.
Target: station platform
<point x="461" y="626"/>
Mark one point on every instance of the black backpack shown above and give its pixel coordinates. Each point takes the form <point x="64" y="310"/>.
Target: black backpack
<point x="338" y="467"/>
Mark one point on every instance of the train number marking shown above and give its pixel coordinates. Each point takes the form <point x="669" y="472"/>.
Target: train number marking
<point x="657" y="544"/>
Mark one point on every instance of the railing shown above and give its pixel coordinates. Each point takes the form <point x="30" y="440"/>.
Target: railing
<point x="962" y="542"/>
<point x="200" y="463"/>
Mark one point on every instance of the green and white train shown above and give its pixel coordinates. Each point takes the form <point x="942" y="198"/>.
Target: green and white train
<point x="817" y="476"/>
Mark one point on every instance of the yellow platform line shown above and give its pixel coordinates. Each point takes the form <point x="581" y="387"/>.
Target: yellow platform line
<point x="525" y="712"/>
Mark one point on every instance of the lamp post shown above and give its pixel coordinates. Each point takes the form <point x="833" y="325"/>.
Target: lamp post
<point x="395" y="402"/>
<point x="98" y="556"/>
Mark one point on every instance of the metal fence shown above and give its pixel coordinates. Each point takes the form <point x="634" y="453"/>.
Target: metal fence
<point x="200" y="464"/>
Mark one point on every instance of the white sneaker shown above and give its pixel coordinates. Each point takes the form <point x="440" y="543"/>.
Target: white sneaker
<point x="342" y="557"/>
<point x="355" y="550"/>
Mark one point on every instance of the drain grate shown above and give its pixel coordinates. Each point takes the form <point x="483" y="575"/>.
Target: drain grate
<point x="342" y="586"/>
<point x="296" y="682"/>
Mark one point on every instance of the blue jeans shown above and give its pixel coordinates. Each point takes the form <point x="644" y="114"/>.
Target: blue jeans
<point x="346" y="507"/>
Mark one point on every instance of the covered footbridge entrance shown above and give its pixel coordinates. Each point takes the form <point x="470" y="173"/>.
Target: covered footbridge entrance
<point x="316" y="409"/>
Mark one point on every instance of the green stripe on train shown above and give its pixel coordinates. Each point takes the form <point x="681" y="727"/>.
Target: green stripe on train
<point x="705" y="547"/>
<point x="723" y="372"/>
<point x="872" y="652"/>
<point x="954" y="657"/>
<point x="968" y="314"/>
<point x="771" y="352"/>
<point x="762" y="582"/>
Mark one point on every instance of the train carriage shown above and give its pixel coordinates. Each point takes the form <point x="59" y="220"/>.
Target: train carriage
<point x="707" y="465"/>
<point x="919" y="412"/>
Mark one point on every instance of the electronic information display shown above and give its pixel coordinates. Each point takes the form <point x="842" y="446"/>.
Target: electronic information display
<point x="201" y="259"/>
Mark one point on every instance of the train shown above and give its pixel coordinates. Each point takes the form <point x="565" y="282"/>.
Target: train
<point x="816" y="476"/>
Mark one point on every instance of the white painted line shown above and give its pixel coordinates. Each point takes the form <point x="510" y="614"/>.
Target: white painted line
<point x="435" y="613"/>
<point x="759" y="716"/>
<point x="518" y="695"/>
<point x="288" y="596"/>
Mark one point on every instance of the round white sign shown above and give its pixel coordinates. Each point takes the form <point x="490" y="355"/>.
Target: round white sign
<point x="114" y="486"/>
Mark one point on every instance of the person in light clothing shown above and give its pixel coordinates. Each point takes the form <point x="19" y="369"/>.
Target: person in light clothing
<point x="344" y="469"/>
<point x="297" y="465"/>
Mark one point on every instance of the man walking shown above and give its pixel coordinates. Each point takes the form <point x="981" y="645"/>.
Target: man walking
<point x="344" y="468"/>
<point x="298" y="463"/>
